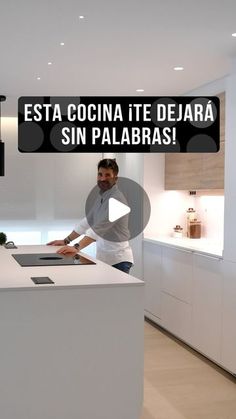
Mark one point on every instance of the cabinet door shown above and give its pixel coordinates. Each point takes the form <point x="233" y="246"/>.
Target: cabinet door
<point x="195" y="171"/>
<point x="152" y="278"/>
<point x="177" y="273"/>
<point x="228" y="343"/>
<point x="207" y="291"/>
<point x="183" y="171"/>
<point x="176" y="317"/>
<point x="176" y="293"/>
<point x="213" y="169"/>
<point x="192" y="171"/>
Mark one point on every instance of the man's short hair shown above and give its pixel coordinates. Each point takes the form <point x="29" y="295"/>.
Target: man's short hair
<point x="109" y="164"/>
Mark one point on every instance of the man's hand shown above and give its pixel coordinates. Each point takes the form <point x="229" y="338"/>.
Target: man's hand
<point x="68" y="250"/>
<point x="56" y="243"/>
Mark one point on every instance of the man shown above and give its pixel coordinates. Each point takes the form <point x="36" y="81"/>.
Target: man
<point x="111" y="238"/>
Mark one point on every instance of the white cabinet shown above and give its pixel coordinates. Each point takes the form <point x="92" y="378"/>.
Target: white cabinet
<point x="177" y="273"/>
<point x="207" y="295"/>
<point x="176" y="316"/>
<point x="193" y="296"/>
<point x="176" y="293"/>
<point x="152" y="278"/>
<point x="228" y="343"/>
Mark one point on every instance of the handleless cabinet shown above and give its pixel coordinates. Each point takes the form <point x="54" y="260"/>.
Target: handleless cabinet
<point x="207" y="305"/>
<point x="152" y="278"/>
<point x="176" y="295"/>
<point x="228" y="343"/>
<point x="192" y="295"/>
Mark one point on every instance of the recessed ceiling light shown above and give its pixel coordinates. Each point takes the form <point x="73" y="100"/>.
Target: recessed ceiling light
<point x="139" y="90"/>
<point x="62" y="43"/>
<point x="81" y="17"/>
<point x="49" y="63"/>
<point x="38" y="78"/>
<point x="234" y="34"/>
<point x="178" y="68"/>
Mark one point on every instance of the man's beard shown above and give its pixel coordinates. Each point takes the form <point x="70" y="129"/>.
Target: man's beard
<point x="104" y="185"/>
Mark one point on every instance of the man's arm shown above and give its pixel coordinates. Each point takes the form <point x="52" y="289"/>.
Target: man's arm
<point x="72" y="236"/>
<point x="72" y="250"/>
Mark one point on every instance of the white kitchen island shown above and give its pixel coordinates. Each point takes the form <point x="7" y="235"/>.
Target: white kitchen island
<point x="73" y="349"/>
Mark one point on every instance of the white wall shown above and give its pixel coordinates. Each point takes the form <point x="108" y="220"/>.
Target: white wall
<point x="162" y="202"/>
<point x="210" y="210"/>
<point x="42" y="192"/>
<point x="230" y="167"/>
<point x="167" y="207"/>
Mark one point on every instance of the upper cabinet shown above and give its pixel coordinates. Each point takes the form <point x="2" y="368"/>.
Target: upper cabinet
<point x="192" y="171"/>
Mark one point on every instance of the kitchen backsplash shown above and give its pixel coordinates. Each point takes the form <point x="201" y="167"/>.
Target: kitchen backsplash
<point x="169" y="209"/>
<point x="210" y="211"/>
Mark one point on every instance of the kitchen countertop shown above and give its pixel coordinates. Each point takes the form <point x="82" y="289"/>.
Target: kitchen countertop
<point x="14" y="276"/>
<point x="202" y="246"/>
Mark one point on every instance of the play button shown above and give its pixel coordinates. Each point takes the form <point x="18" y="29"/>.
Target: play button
<point x="119" y="213"/>
<point x="116" y="209"/>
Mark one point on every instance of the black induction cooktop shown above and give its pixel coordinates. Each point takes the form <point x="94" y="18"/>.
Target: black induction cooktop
<point x="50" y="259"/>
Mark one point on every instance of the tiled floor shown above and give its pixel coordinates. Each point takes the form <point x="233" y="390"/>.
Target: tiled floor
<point x="180" y="384"/>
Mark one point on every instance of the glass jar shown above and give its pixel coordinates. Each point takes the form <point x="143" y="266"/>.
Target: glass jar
<point x="194" y="229"/>
<point x="191" y="214"/>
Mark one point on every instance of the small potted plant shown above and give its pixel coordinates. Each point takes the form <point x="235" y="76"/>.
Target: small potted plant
<point x="3" y="238"/>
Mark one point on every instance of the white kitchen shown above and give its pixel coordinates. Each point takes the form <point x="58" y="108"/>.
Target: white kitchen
<point x="159" y="343"/>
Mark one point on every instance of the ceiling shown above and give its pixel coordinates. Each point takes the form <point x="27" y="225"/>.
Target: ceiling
<point x="118" y="47"/>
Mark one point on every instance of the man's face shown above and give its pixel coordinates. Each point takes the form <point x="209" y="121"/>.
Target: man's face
<point x="106" y="179"/>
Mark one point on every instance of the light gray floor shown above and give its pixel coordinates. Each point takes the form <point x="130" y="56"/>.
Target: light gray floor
<point x="180" y="384"/>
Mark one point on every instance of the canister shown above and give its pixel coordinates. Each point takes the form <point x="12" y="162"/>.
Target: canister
<point x="191" y="214"/>
<point x="194" y="230"/>
<point x="178" y="231"/>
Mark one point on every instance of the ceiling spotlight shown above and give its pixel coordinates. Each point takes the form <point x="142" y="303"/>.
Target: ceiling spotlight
<point x="234" y="34"/>
<point x="62" y="44"/>
<point x="81" y="17"/>
<point x="178" y="68"/>
<point x="139" y="90"/>
<point x="2" y="145"/>
<point x="38" y="78"/>
<point x="49" y="63"/>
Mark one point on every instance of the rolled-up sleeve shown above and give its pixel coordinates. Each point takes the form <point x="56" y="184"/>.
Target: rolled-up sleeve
<point x="91" y="233"/>
<point x="82" y="226"/>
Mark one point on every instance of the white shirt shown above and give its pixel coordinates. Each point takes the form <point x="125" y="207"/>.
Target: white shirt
<point x="110" y="252"/>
